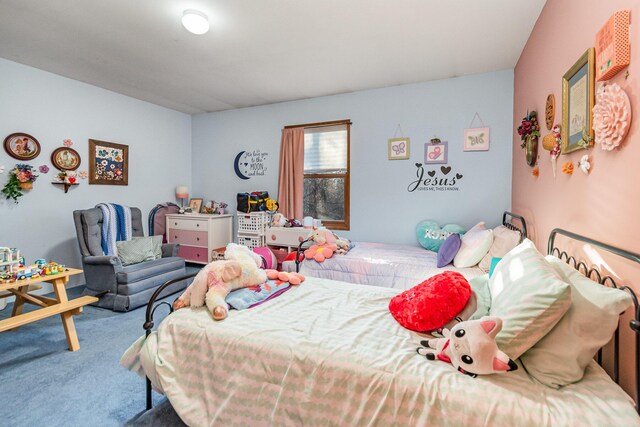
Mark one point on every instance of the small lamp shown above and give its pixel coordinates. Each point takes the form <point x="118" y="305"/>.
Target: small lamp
<point x="182" y="193"/>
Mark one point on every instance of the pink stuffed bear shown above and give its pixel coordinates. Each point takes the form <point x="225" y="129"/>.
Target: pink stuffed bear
<point x="281" y="277"/>
<point x="214" y="282"/>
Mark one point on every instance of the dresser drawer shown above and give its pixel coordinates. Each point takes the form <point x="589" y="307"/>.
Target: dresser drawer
<point x="191" y="253"/>
<point x="287" y="236"/>
<point x="188" y="237"/>
<point x="188" y="224"/>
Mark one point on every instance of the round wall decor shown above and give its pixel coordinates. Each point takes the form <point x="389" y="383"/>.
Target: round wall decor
<point x="65" y="159"/>
<point x="22" y="146"/>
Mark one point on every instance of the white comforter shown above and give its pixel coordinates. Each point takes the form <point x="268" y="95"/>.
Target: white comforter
<point x="382" y="264"/>
<point x="330" y="353"/>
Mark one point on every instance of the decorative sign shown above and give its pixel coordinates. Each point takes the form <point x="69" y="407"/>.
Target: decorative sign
<point x="613" y="51"/>
<point x="443" y="178"/>
<point x="550" y="111"/>
<point x="250" y="163"/>
<point x="476" y="139"/>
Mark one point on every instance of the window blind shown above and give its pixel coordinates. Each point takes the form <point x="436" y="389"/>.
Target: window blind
<point x="325" y="149"/>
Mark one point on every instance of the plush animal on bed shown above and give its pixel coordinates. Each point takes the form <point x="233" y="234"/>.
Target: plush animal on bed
<point x="323" y="236"/>
<point x="283" y="276"/>
<point x="470" y="347"/>
<point x="212" y="284"/>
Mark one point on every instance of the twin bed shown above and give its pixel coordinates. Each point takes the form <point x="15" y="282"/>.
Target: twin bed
<point x="330" y="353"/>
<point x="390" y="265"/>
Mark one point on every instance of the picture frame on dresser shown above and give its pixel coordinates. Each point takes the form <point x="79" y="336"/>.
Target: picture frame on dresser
<point x="196" y="205"/>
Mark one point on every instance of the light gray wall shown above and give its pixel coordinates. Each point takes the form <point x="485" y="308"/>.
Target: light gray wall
<point x="52" y="108"/>
<point x="381" y="207"/>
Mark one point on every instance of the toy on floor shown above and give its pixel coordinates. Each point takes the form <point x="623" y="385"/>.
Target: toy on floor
<point x="240" y="269"/>
<point x="470" y="347"/>
<point x="282" y="277"/>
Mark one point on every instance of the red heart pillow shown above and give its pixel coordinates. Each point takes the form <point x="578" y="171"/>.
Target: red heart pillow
<point x="431" y="304"/>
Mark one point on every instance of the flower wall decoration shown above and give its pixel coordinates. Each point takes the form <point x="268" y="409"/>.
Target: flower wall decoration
<point x="83" y="174"/>
<point x="585" y="164"/>
<point x="529" y="127"/>
<point x="21" y="177"/>
<point x="567" y="168"/>
<point x="611" y="116"/>
<point x="535" y="172"/>
<point x="67" y="143"/>
<point x="44" y="169"/>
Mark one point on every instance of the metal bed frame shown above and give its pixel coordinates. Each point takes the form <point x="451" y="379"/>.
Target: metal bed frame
<point x="507" y="221"/>
<point x="590" y="272"/>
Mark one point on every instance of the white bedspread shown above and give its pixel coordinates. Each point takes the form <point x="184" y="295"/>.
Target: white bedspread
<point x="382" y="264"/>
<point x="329" y="353"/>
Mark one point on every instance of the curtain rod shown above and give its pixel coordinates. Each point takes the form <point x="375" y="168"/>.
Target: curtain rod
<point x="320" y="124"/>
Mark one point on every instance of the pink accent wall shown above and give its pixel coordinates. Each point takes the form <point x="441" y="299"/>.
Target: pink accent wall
<point x="606" y="204"/>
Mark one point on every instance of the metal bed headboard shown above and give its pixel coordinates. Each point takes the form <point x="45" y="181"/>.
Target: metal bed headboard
<point x="507" y="221"/>
<point x="594" y="274"/>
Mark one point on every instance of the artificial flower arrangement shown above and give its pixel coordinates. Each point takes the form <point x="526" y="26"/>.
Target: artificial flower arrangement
<point x="529" y="127"/>
<point x="21" y="177"/>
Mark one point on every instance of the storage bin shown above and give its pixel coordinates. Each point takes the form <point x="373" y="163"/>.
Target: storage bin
<point x="251" y="241"/>
<point x="253" y="223"/>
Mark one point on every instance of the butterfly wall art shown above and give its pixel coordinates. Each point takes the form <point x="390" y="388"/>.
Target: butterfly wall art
<point x="435" y="151"/>
<point x="399" y="148"/>
<point x="476" y="139"/>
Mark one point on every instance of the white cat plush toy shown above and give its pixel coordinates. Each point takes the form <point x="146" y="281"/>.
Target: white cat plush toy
<point x="470" y="347"/>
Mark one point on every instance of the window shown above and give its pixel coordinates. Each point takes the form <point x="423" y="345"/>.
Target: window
<point x="326" y="173"/>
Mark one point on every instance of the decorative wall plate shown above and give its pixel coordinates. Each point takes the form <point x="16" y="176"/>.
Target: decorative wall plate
<point x="22" y="146"/>
<point x="65" y="159"/>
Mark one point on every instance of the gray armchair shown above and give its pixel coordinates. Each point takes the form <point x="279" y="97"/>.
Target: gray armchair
<point x="127" y="286"/>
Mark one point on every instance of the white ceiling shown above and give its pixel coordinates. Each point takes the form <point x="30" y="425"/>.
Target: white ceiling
<point x="262" y="51"/>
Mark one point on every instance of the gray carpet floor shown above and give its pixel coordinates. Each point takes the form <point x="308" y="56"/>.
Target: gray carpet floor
<point x="43" y="383"/>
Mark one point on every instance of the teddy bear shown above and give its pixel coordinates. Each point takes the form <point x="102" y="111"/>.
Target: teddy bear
<point x="282" y="276"/>
<point x="470" y="347"/>
<point x="240" y="269"/>
<point x="278" y="220"/>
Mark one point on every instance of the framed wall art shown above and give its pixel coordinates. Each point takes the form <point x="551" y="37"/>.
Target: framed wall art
<point x="22" y="146"/>
<point x="435" y="152"/>
<point x="108" y="163"/>
<point x="476" y="139"/>
<point x="65" y="159"/>
<point x="578" y="97"/>
<point x="399" y="148"/>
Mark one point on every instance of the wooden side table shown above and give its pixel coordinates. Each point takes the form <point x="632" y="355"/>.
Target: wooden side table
<point x="50" y="306"/>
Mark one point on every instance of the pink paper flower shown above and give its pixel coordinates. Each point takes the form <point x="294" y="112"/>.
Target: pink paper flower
<point x="83" y="174"/>
<point x="43" y="169"/>
<point x="611" y="116"/>
<point x="67" y="142"/>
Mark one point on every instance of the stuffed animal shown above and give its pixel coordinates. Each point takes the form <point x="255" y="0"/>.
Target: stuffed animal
<point x="324" y="236"/>
<point x="278" y="220"/>
<point x="212" y="284"/>
<point x="282" y="276"/>
<point x="470" y="347"/>
<point x="320" y="252"/>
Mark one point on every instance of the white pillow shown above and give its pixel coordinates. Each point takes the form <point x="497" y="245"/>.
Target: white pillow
<point x="503" y="241"/>
<point x="561" y="357"/>
<point x="474" y="244"/>
<point x="529" y="296"/>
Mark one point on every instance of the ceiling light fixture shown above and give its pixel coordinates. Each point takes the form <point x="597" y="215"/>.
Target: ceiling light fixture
<point x="195" y="21"/>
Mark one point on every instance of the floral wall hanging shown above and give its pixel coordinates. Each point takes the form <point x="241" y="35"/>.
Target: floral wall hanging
<point x="529" y="131"/>
<point x="22" y="178"/>
<point x="611" y="116"/>
<point x="108" y="163"/>
<point x="585" y="164"/>
<point x="567" y="168"/>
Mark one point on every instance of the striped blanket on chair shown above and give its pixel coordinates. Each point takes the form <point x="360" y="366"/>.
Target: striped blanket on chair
<point x="116" y="225"/>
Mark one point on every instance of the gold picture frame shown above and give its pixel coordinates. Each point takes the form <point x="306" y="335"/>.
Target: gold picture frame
<point x="578" y="98"/>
